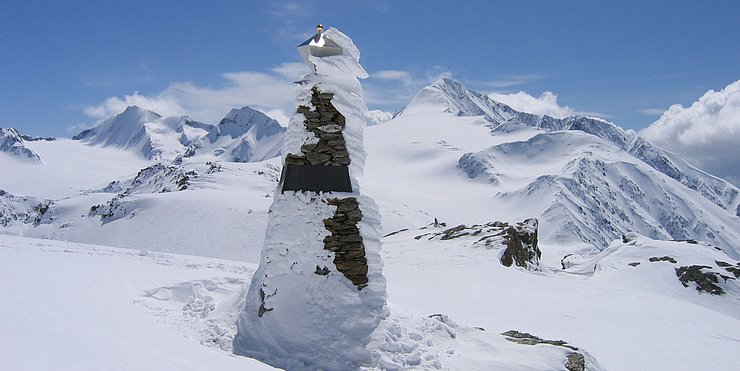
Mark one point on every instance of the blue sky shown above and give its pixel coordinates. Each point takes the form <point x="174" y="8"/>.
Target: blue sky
<point x="66" y="64"/>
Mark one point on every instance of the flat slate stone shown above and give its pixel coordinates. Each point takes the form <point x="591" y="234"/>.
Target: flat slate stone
<point x="316" y="178"/>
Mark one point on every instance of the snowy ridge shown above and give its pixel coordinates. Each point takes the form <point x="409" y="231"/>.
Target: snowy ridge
<point x="12" y="143"/>
<point x="585" y="189"/>
<point x="125" y="130"/>
<point x="210" y="209"/>
<point x="244" y="135"/>
<point x="20" y="209"/>
<point x="377" y="117"/>
<point x="625" y="301"/>
<point x="454" y="98"/>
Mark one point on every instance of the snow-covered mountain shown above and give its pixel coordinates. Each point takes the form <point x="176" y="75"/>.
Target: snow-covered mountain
<point x="447" y="173"/>
<point x="587" y="190"/>
<point x="377" y="117"/>
<point x="244" y="135"/>
<point x="12" y="143"/>
<point x="452" y="97"/>
<point x="586" y="179"/>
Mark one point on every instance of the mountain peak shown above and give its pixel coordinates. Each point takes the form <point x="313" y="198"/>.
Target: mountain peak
<point x="11" y="142"/>
<point x="453" y="97"/>
<point x="136" y="111"/>
<point x="240" y="121"/>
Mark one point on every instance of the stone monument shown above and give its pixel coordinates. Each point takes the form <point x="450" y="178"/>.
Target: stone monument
<point x="319" y="291"/>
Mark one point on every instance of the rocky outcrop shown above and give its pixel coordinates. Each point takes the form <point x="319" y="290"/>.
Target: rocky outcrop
<point x="575" y="361"/>
<point x="21" y="209"/>
<point x="704" y="281"/>
<point x="521" y="245"/>
<point x="158" y="178"/>
<point x="519" y="240"/>
<point x="735" y="270"/>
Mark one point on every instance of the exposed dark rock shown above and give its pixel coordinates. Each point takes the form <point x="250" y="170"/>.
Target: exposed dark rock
<point x="40" y="211"/>
<point x="576" y="362"/>
<point x="35" y="139"/>
<point x="396" y="232"/>
<point x="634" y="264"/>
<point x="664" y="258"/>
<point x="704" y="281"/>
<point x="529" y="339"/>
<point x="345" y="240"/>
<point x="262" y="310"/>
<point x="326" y="123"/>
<point x="213" y="167"/>
<point x="735" y="270"/>
<point x="158" y="178"/>
<point x="322" y="271"/>
<point x="693" y="242"/>
<point x="521" y="242"/>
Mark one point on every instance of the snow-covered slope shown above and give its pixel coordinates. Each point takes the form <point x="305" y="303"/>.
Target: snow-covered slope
<point x="127" y="130"/>
<point x="244" y="135"/>
<point x="377" y="117"/>
<point x="587" y="181"/>
<point x="209" y="209"/>
<point x="588" y="190"/>
<point x="625" y="308"/>
<point x="452" y="97"/>
<point x="85" y="307"/>
<point x="12" y="144"/>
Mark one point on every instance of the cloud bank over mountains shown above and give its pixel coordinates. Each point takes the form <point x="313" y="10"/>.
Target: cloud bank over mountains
<point x="270" y="92"/>
<point x="706" y="133"/>
<point x="545" y="104"/>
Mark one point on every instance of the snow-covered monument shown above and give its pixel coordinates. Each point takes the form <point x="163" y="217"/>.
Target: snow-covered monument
<point x="319" y="291"/>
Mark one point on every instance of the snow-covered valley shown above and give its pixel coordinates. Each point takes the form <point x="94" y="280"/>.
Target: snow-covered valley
<point x="105" y="287"/>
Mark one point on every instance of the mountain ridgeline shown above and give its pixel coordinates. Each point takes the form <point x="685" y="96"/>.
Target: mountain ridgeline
<point x="600" y="182"/>
<point x="244" y="135"/>
<point x="586" y="180"/>
<point x="460" y="101"/>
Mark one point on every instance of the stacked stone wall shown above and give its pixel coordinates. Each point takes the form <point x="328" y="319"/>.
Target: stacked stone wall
<point x="326" y="123"/>
<point x="345" y="240"/>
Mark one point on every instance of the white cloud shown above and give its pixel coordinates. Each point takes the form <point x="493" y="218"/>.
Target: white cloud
<point x="514" y="80"/>
<point x="391" y="89"/>
<point x="402" y="76"/>
<point x="269" y="92"/>
<point x="652" y="111"/>
<point x="291" y="70"/>
<point x="545" y="104"/>
<point x="707" y="133"/>
<point x="74" y="129"/>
